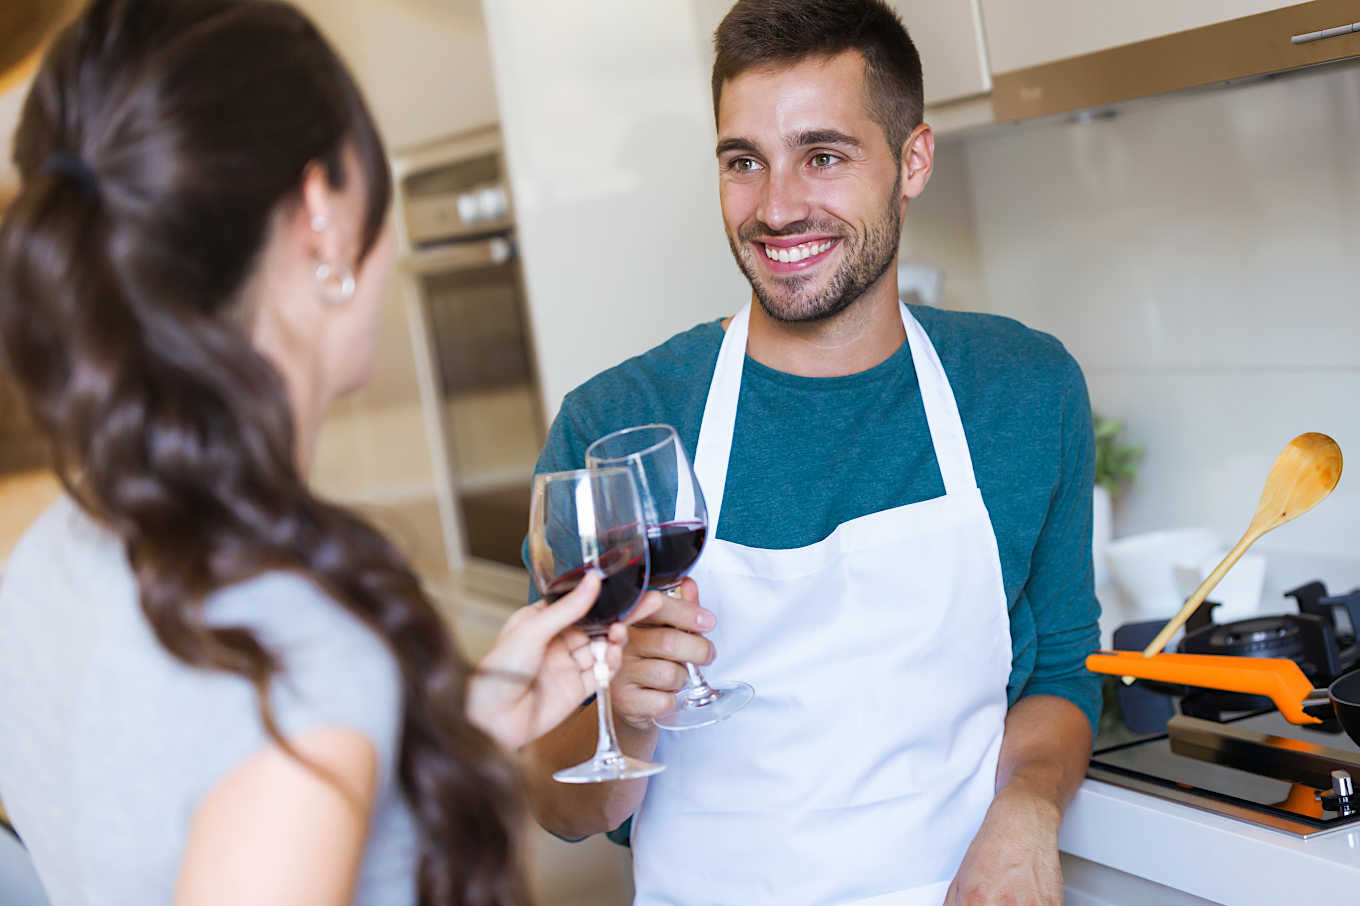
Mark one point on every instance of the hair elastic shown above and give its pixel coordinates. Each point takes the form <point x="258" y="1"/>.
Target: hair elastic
<point x="74" y="166"/>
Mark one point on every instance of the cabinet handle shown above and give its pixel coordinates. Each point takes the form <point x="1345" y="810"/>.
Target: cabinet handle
<point x="1337" y="32"/>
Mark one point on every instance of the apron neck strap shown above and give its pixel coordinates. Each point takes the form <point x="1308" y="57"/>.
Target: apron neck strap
<point x="712" y="453"/>
<point x="942" y="412"/>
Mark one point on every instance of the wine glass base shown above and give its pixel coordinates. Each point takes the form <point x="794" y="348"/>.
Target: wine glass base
<point x="691" y="714"/>
<point x="609" y="767"/>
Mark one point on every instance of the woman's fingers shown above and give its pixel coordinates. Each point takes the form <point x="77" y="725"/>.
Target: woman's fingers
<point x="583" y="658"/>
<point x="538" y="624"/>
<point x="553" y="618"/>
<point x="574" y="638"/>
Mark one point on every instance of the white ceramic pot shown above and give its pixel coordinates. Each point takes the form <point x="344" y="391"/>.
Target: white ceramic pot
<point x="1238" y="593"/>
<point x="1144" y="567"/>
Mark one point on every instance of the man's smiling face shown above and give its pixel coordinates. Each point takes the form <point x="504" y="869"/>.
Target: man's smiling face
<point x="810" y="190"/>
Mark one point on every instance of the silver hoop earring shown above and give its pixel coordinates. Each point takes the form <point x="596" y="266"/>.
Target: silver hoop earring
<point x="336" y="285"/>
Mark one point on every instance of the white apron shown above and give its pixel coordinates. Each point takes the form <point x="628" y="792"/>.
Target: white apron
<point x="880" y="657"/>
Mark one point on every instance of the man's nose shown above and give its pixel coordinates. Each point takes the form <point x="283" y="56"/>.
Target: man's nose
<point x="783" y="201"/>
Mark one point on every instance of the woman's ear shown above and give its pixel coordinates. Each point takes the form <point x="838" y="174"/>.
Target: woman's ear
<point x="315" y="219"/>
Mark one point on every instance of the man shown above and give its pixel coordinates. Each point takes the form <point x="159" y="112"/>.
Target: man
<point x="899" y="556"/>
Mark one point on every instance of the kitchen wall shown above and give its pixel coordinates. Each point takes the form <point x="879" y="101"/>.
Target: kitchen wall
<point x="1200" y="256"/>
<point x="424" y="64"/>
<point x="939" y="232"/>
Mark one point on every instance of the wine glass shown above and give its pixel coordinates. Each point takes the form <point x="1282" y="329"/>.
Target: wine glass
<point x="677" y="526"/>
<point x="590" y="520"/>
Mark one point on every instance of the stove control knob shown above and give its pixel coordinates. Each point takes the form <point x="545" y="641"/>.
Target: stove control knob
<point x="1339" y="799"/>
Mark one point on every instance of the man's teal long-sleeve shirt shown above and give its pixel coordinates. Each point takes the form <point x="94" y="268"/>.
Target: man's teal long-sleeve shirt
<point x="811" y="453"/>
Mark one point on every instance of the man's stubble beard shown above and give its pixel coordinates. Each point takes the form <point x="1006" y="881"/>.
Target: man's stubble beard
<point x="861" y="268"/>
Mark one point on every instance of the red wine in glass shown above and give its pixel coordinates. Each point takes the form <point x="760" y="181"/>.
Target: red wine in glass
<point x="624" y="578"/>
<point x="673" y="548"/>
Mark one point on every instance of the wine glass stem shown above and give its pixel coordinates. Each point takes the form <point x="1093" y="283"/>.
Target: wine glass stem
<point x="697" y="691"/>
<point x="607" y="745"/>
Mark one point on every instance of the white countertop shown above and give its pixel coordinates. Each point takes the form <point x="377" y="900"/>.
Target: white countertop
<point x="1208" y="855"/>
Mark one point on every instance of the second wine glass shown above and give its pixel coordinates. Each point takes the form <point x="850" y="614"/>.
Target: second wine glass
<point x="677" y="526"/>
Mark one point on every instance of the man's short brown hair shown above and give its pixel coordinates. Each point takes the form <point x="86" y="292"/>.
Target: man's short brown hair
<point x="758" y="33"/>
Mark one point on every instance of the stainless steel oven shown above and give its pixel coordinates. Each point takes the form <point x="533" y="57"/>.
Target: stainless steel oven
<point x="461" y="258"/>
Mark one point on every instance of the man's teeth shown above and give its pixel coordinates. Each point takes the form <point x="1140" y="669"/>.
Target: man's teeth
<point x="798" y="252"/>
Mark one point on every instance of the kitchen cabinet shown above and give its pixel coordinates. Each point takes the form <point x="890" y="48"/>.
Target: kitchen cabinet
<point x="948" y="35"/>
<point x="461" y="274"/>
<point x="1024" y="33"/>
<point x="1057" y="56"/>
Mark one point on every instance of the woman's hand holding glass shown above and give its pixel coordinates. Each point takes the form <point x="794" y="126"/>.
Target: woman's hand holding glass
<point x="541" y="667"/>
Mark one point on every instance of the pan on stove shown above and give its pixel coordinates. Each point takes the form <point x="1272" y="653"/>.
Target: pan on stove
<point x="1344" y="694"/>
<point x="1278" y="679"/>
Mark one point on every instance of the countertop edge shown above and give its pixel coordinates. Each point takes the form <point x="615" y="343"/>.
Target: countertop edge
<point x="1202" y="853"/>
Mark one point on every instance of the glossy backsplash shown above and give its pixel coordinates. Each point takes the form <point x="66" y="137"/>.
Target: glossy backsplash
<point x="1200" y="256"/>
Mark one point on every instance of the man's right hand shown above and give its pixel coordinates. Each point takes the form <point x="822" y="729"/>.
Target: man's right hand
<point x="654" y="660"/>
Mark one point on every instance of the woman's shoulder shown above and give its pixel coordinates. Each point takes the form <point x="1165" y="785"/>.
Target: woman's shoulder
<point x="69" y="580"/>
<point x="334" y="668"/>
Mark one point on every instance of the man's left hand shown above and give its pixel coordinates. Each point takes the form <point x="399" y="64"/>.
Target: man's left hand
<point x="1013" y="860"/>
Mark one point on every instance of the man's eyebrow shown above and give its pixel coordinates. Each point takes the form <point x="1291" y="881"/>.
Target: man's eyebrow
<point x="735" y="144"/>
<point x="797" y="140"/>
<point x="820" y="137"/>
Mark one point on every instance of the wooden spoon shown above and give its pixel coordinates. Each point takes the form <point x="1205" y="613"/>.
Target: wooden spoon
<point x="1304" y="474"/>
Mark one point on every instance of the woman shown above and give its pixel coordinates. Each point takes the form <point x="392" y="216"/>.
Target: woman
<point x="216" y="687"/>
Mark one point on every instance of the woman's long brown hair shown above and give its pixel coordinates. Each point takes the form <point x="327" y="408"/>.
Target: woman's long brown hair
<point x="118" y="294"/>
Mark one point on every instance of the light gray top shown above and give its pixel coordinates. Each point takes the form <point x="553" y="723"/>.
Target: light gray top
<point x="109" y="742"/>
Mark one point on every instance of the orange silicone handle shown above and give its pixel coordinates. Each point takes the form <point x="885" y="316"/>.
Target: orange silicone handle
<point x="1277" y="678"/>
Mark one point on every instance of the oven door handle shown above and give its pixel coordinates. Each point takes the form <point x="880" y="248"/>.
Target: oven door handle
<point x="462" y="256"/>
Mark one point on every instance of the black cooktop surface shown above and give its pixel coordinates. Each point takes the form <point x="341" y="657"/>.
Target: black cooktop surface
<point x="1151" y="766"/>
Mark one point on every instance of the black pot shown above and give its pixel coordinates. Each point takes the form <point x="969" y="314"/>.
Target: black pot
<point x="1345" y="696"/>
